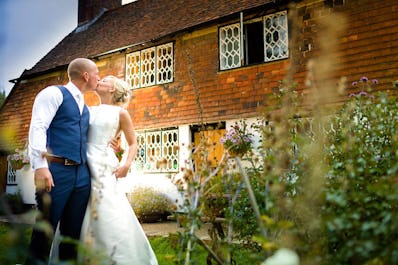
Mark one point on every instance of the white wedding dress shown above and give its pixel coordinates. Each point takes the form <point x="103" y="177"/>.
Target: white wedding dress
<point x="110" y="225"/>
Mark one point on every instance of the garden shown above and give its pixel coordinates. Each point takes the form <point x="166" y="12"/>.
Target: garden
<point x="319" y="189"/>
<point x="320" y="186"/>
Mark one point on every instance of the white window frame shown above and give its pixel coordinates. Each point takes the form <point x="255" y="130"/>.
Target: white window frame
<point x="279" y="48"/>
<point x="158" y="151"/>
<point x="164" y="63"/>
<point x="150" y="66"/>
<point x="231" y="41"/>
<point x="230" y="46"/>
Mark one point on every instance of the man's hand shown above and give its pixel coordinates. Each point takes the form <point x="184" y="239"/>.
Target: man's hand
<point x="115" y="143"/>
<point x="43" y="179"/>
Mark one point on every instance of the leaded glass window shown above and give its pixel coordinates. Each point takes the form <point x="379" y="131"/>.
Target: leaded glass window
<point x="262" y="39"/>
<point x="157" y="151"/>
<point x="164" y="61"/>
<point x="150" y="66"/>
<point x="133" y="69"/>
<point x="230" y="46"/>
<point x="275" y="37"/>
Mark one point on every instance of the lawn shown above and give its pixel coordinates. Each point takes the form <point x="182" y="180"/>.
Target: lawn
<point x="15" y="238"/>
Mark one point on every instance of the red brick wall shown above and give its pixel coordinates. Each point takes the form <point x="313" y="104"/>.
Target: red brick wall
<point x="15" y="115"/>
<point x="369" y="46"/>
<point x="200" y="90"/>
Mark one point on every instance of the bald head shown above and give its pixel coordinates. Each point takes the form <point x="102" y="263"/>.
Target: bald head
<point x="83" y="73"/>
<point x="78" y="66"/>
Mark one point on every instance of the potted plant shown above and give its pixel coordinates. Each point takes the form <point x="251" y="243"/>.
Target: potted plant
<point x="150" y="205"/>
<point x="24" y="178"/>
<point x="238" y="140"/>
<point x="19" y="159"/>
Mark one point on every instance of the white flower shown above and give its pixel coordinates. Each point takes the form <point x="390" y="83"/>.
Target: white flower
<point x="283" y="256"/>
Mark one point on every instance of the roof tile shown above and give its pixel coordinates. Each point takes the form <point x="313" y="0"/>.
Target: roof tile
<point x="139" y="22"/>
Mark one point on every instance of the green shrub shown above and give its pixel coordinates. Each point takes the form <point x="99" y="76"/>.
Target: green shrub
<point x="148" y="203"/>
<point x="335" y="182"/>
<point x="361" y="216"/>
<point x="13" y="203"/>
<point x="14" y="240"/>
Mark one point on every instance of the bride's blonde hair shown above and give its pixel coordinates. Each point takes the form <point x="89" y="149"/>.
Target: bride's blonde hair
<point x="122" y="93"/>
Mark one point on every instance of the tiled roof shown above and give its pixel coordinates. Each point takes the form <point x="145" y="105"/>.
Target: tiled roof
<point x="139" y="22"/>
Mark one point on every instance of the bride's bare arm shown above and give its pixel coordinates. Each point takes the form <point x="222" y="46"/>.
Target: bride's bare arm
<point x="127" y="127"/>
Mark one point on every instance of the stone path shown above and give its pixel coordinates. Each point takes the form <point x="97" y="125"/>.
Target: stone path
<point x="171" y="227"/>
<point x="151" y="229"/>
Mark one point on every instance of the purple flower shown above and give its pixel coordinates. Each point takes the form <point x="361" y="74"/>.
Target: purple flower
<point x="355" y="83"/>
<point x="237" y="139"/>
<point x="20" y="156"/>
<point x="362" y="93"/>
<point x="364" y="79"/>
<point x="375" y="81"/>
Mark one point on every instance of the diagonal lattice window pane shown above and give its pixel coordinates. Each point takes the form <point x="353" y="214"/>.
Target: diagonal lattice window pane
<point x="158" y="151"/>
<point x="140" y="158"/>
<point x="165" y="63"/>
<point x="148" y="67"/>
<point x="275" y="36"/>
<point x="133" y="69"/>
<point x="230" y="56"/>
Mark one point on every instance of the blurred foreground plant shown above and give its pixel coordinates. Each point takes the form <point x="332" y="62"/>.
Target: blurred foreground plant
<point x="362" y="190"/>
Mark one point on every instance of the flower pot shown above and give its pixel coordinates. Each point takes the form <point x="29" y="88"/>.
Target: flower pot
<point x="16" y="164"/>
<point x="151" y="217"/>
<point x="235" y="153"/>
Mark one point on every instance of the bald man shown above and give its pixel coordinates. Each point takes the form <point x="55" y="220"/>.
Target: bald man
<point x="57" y="139"/>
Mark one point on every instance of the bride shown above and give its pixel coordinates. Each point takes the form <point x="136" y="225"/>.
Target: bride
<point x="110" y="226"/>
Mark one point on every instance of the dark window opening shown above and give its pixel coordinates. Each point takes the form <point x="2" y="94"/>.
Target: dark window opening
<point x="254" y="43"/>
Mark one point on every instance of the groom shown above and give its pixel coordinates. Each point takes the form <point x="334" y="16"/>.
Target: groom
<point x="57" y="138"/>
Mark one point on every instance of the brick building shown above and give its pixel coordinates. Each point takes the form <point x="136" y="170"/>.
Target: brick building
<point x="193" y="62"/>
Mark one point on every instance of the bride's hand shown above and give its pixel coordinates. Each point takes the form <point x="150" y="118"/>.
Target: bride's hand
<point x="121" y="172"/>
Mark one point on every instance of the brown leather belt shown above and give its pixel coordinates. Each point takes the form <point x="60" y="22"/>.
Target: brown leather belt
<point x="61" y="160"/>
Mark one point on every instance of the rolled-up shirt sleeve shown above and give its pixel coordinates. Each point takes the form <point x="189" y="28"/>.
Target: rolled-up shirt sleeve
<point x="44" y="109"/>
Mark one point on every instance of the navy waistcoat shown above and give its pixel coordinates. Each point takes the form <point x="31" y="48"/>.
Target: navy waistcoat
<point x="67" y="134"/>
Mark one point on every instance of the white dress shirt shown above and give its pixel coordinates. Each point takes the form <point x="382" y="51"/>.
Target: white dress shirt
<point x="44" y="109"/>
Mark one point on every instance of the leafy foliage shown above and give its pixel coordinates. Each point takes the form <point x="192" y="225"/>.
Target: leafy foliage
<point x="327" y="188"/>
<point x="2" y="98"/>
<point x="11" y="204"/>
<point x="14" y="240"/>
<point x="361" y="191"/>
